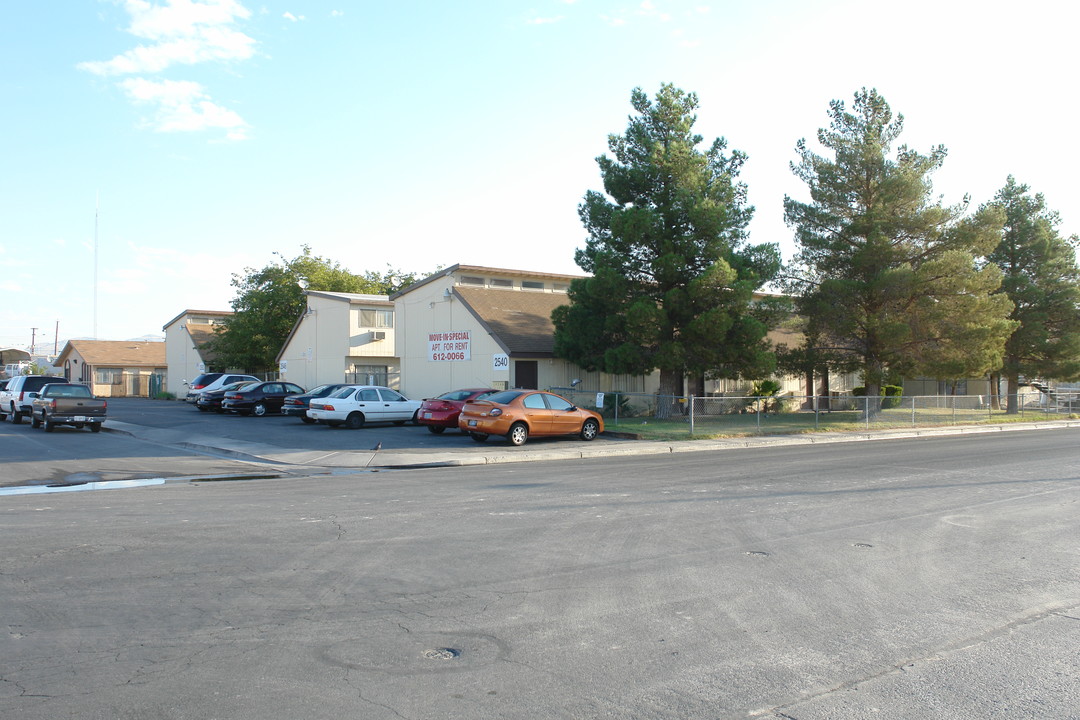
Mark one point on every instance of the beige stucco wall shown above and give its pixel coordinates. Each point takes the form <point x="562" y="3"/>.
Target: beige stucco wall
<point x="431" y="309"/>
<point x="428" y="310"/>
<point x="182" y="358"/>
<point x="330" y="340"/>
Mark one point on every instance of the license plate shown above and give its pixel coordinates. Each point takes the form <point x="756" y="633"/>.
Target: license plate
<point x="427" y="416"/>
<point x="80" y="418"/>
<point x="472" y="423"/>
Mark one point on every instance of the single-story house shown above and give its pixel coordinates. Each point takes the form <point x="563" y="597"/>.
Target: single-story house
<point x="115" y="368"/>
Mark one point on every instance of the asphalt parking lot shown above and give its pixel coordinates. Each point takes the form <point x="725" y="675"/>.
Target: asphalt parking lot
<point x="291" y="432"/>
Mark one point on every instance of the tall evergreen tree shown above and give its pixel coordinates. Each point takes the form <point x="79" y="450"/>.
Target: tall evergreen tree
<point x="672" y="275"/>
<point x="890" y="273"/>
<point x="1043" y="282"/>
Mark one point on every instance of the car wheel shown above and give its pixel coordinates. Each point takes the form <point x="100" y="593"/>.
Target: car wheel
<point x="478" y="437"/>
<point x="49" y="425"/>
<point x="307" y="420"/>
<point x="259" y="410"/>
<point x="437" y="429"/>
<point x="95" y="427"/>
<point x="35" y="421"/>
<point x="518" y="434"/>
<point x="200" y="408"/>
<point x="589" y="429"/>
<point x="16" y="417"/>
<point x="355" y="421"/>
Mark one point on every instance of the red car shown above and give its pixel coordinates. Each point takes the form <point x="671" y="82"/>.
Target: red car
<point x="442" y="412"/>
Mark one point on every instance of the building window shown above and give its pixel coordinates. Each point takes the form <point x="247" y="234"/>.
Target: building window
<point x="377" y="318"/>
<point x="369" y="375"/>
<point x="108" y="376"/>
<point x="532" y="285"/>
<point x="501" y="282"/>
<point x="471" y="280"/>
<point x="560" y="287"/>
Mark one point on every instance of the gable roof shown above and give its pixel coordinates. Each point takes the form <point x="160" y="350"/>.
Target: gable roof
<point x="482" y="270"/>
<point x="115" y="353"/>
<point x="519" y="320"/>
<point x="351" y="298"/>
<point x="200" y="313"/>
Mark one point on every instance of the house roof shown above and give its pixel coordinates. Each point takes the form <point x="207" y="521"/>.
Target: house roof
<point x="200" y="313"/>
<point x="481" y="270"/>
<point x="519" y="320"/>
<point x="352" y="298"/>
<point x="116" y="353"/>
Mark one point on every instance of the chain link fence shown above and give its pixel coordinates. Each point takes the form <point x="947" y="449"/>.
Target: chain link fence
<point x="794" y="414"/>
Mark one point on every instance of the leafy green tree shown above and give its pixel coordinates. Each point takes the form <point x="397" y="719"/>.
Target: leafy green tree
<point x="1043" y="282"/>
<point x="889" y="274"/>
<point x="35" y="368"/>
<point x="672" y="275"/>
<point x="269" y="300"/>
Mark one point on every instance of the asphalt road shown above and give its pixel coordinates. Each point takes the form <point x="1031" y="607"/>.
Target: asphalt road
<point x="902" y="579"/>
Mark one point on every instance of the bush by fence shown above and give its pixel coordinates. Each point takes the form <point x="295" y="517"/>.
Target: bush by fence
<point x="742" y="415"/>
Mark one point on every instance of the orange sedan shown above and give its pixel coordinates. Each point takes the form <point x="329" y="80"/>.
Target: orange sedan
<point x="517" y="414"/>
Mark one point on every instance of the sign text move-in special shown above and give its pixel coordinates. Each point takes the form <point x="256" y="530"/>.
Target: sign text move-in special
<point x="449" y="346"/>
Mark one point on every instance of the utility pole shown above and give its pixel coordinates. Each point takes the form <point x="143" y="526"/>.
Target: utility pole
<point x="56" y="339"/>
<point x="33" y="341"/>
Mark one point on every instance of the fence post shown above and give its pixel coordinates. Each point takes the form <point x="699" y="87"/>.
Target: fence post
<point x="912" y="411"/>
<point x="817" y="411"/>
<point x="758" y="414"/>
<point x="691" y="416"/>
<point x="616" y="409"/>
<point x="866" y="410"/>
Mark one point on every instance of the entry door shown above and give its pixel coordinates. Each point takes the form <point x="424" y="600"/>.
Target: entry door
<point x="526" y="374"/>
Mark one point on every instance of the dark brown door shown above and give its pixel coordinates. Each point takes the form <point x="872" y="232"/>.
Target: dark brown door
<point x="526" y="374"/>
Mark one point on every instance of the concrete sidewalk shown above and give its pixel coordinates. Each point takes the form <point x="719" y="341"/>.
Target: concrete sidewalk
<point x="499" y="452"/>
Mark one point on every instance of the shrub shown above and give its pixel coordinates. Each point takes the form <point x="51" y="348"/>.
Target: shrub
<point x="891" y="393"/>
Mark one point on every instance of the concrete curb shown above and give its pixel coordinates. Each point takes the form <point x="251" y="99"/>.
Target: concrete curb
<point x="367" y="460"/>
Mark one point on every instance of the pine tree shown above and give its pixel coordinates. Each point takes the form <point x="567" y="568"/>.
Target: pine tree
<point x="890" y="273"/>
<point x="1043" y="282"/>
<point x="672" y="276"/>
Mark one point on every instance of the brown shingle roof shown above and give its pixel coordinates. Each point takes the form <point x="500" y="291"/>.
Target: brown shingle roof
<point x="520" y="320"/>
<point x="116" y="353"/>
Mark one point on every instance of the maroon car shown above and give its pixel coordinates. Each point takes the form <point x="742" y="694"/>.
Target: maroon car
<point x="442" y="412"/>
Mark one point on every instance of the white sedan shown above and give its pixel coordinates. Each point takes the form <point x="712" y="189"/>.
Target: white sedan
<point x="354" y="405"/>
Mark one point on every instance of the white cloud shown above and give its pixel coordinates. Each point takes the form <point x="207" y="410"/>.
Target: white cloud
<point x="183" y="106"/>
<point x="289" y="16"/>
<point x="337" y="13"/>
<point x="184" y="32"/>
<point x="181" y="32"/>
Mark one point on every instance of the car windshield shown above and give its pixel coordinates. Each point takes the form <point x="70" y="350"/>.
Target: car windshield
<point x="237" y="385"/>
<point x="504" y="397"/>
<point x="344" y="392"/>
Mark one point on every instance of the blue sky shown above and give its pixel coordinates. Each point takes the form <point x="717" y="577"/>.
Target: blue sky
<point x="206" y="136"/>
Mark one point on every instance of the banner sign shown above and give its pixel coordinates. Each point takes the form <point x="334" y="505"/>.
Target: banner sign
<point x="449" y="346"/>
